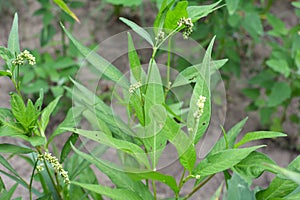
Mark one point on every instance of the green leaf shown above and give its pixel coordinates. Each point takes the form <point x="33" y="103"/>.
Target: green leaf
<point x="231" y="137"/>
<point x="65" y="8"/>
<point x="100" y="64"/>
<point x="134" y="60"/>
<point x="117" y="176"/>
<point x="67" y="147"/>
<point x="72" y="118"/>
<point x="161" y="15"/>
<point x="116" y="194"/>
<point x="88" y="100"/>
<point x="253" y="25"/>
<point x="7" y="195"/>
<point x="277" y="25"/>
<point x="127" y="147"/>
<point x="46" y="113"/>
<point x="281" y="91"/>
<point x="253" y="165"/>
<point x="189" y="75"/>
<point x="27" y="116"/>
<point x="202" y="88"/>
<point x="280" y="187"/>
<point x="166" y="179"/>
<point x="257" y="135"/>
<point x="198" y="12"/>
<point x="289" y="174"/>
<point x="238" y="189"/>
<point x="279" y="65"/>
<point x="6" y="54"/>
<point x="6" y="164"/>
<point x="13" y="39"/>
<point x="5" y="73"/>
<point x="126" y="3"/>
<point x="173" y="16"/>
<point x="139" y="30"/>
<point x="232" y="5"/>
<point x="155" y="114"/>
<point x="14" y="149"/>
<point x="218" y="193"/>
<point x="222" y="160"/>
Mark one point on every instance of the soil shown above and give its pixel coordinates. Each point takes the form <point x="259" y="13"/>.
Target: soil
<point x="100" y="24"/>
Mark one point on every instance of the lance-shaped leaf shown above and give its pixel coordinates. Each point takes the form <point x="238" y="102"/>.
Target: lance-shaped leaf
<point x="173" y="16"/>
<point x="257" y="135"/>
<point x="166" y="179"/>
<point x="222" y="160"/>
<point x="65" y="8"/>
<point x="13" y="39"/>
<point x="117" y="194"/>
<point x="190" y="74"/>
<point x="199" y="117"/>
<point x="231" y="136"/>
<point x="100" y="64"/>
<point x="117" y="176"/>
<point x="134" y="60"/>
<point x="198" y="12"/>
<point x="139" y="30"/>
<point x="127" y="147"/>
<point x="280" y="187"/>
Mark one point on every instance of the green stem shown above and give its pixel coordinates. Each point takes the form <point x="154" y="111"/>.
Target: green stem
<point x="181" y="182"/>
<point x="198" y="187"/>
<point x="154" y="189"/>
<point x="31" y="180"/>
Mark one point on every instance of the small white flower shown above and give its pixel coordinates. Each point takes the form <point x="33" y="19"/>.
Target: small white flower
<point x="135" y="86"/>
<point x="160" y="36"/>
<point x="25" y="55"/>
<point x="187" y="22"/>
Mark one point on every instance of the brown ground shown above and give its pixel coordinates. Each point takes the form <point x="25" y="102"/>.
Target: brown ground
<point x="94" y="28"/>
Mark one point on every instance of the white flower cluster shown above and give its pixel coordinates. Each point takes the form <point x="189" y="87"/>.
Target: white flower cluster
<point x="200" y="104"/>
<point x="187" y="22"/>
<point x="135" y="86"/>
<point x="55" y="164"/>
<point x="22" y="57"/>
<point x="160" y="36"/>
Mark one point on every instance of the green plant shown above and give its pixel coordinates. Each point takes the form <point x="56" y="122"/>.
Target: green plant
<point x="54" y="69"/>
<point x="279" y="78"/>
<point x="156" y="124"/>
<point x="153" y="124"/>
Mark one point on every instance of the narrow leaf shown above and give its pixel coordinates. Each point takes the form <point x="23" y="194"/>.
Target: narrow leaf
<point x="166" y="179"/>
<point x="13" y="39"/>
<point x="139" y="30"/>
<point x="222" y="160"/>
<point x="65" y="8"/>
<point x="118" y="177"/>
<point x="232" y="5"/>
<point x="14" y="149"/>
<point x="198" y="12"/>
<point x="67" y="147"/>
<point x="280" y="187"/>
<point x="257" y="135"/>
<point x="100" y="64"/>
<point x="117" y="194"/>
<point x="134" y="61"/>
<point x="45" y="117"/>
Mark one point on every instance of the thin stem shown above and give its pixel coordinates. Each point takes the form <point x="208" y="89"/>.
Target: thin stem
<point x="154" y="189"/>
<point x="198" y="187"/>
<point x="51" y="178"/>
<point x="31" y="180"/>
<point x="181" y="182"/>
